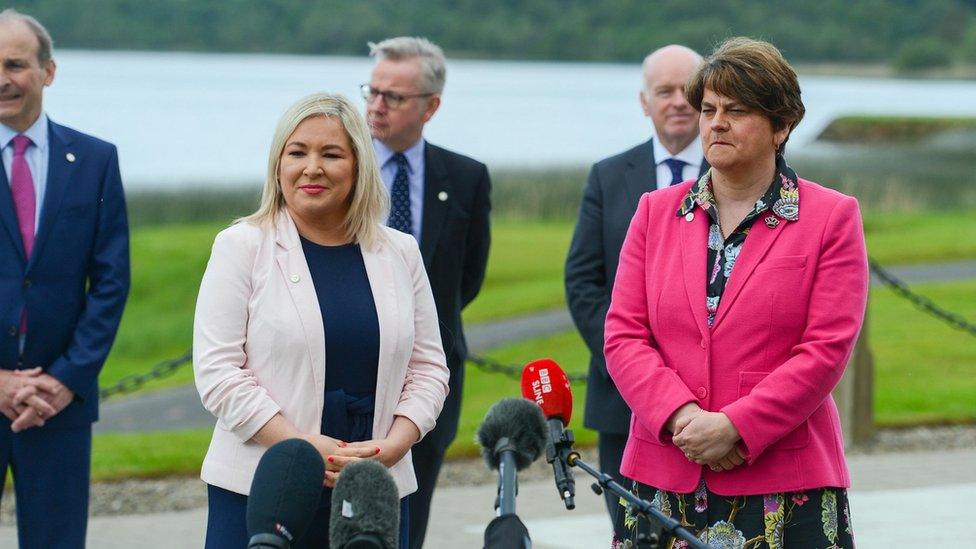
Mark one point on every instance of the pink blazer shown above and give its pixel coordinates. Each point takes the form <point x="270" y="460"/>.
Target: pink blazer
<point x="259" y="344"/>
<point x="782" y="336"/>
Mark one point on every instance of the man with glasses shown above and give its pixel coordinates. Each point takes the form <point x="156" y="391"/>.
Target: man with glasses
<point x="442" y="199"/>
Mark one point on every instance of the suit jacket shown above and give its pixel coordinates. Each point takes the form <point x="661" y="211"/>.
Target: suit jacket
<point x="259" y="344"/>
<point x="782" y="336"/>
<point x="75" y="282"/>
<point x="610" y="198"/>
<point x="455" y="237"/>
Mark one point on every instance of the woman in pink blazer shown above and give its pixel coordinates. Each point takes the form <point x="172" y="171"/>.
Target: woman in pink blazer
<point x="314" y="321"/>
<point x="736" y="305"/>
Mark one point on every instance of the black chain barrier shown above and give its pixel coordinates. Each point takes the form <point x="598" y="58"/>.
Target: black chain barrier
<point x="922" y="302"/>
<point x="134" y="382"/>
<point x="511" y="370"/>
<point x="166" y="368"/>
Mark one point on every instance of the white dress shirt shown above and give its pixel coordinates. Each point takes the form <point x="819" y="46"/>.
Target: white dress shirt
<point x="692" y="156"/>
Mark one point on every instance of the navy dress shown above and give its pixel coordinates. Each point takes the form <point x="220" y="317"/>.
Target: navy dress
<point x="352" y="346"/>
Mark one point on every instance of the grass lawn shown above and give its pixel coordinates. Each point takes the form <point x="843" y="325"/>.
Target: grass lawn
<point x="148" y="455"/>
<point x="525" y="274"/>
<point x="926" y="371"/>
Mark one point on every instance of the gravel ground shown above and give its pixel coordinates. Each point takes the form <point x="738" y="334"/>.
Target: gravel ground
<point x="176" y="494"/>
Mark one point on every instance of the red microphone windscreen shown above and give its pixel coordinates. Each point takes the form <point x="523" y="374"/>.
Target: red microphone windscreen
<point x="544" y="382"/>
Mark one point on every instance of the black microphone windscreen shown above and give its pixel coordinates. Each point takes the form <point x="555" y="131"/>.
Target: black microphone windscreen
<point x="365" y="504"/>
<point x="286" y="490"/>
<point x="519" y="420"/>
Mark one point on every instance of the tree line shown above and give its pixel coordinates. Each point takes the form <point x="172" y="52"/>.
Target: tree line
<point x="907" y="33"/>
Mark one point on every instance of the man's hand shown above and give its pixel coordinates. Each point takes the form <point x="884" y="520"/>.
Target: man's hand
<point x="17" y="393"/>
<point x="707" y="438"/>
<point x="40" y="397"/>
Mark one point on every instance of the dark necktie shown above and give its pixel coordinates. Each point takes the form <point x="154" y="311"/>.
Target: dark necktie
<point x="676" y="166"/>
<point x="22" y="190"/>
<point x="400" y="217"/>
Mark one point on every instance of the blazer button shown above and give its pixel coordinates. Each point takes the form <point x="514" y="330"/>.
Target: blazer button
<point x="701" y="393"/>
<point x="12" y="331"/>
<point x="702" y="343"/>
<point x="27" y="283"/>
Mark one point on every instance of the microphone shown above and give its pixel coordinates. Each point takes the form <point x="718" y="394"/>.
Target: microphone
<point x="512" y="437"/>
<point x="284" y="495"/>
<point x="544" y="382"/>
<point x="365" y="508"/>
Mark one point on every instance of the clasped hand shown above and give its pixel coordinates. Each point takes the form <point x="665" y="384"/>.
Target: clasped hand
<point x="706" y="438"/>
<point x="338" y="454"/>
<point x="30" y="397"/>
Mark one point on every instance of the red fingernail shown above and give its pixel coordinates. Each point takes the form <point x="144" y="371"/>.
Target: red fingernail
<point x="330" y="459"/>
<point x="377" y="451"/>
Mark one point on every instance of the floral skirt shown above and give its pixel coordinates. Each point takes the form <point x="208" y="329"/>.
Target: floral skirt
<point x="819" y="518"/>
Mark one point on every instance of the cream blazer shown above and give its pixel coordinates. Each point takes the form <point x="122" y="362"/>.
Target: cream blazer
<point x="259" y="344"/>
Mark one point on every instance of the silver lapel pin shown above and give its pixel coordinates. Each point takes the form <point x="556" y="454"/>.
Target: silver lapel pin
<point x="442" y="196"/>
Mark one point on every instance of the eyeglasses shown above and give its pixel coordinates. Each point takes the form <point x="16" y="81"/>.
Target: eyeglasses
<point x="392" y="100"/>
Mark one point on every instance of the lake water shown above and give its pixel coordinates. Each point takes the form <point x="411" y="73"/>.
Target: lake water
<point x="182" y="119"/>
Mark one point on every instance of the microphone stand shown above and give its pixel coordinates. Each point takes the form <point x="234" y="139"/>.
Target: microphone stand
<point x="507" y="479"/>
<point x="643" y="507"/>
<point x="559" y="447"/>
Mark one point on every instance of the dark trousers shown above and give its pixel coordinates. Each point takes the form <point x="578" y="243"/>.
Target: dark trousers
<point x="611" y="448"/>
<point x="50" y="469"/>
<point x="227" y="521"/>
<point x="428" y="456"/>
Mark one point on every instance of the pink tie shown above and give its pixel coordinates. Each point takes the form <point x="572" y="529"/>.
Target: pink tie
<point x="22" y="189"/>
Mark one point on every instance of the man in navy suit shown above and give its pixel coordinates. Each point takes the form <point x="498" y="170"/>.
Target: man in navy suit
<point x="442" y="199"/>
<point x="64" y="278"/>
<point x="673" y="154"/>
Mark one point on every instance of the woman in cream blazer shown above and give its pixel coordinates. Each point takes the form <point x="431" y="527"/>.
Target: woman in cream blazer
<point x="259" y="339"/>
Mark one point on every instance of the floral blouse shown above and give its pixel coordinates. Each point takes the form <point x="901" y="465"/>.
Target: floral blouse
<point x="782" y="197"/>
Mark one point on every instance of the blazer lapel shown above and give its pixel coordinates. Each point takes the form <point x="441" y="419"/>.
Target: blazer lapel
<point x="437" y="201"/>
<point x="59" y="174"/>
<point x="383" y="283"/>
<point x="298" y="279"/>
<point x="694" y="256"/>
<point x="760" y="238"/>
<point x="641" y="175"/>
<point x="8" y="215"/>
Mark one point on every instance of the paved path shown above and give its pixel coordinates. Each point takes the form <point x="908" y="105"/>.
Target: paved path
<point x="916" y="499"/>
<point x="179" y="407"/>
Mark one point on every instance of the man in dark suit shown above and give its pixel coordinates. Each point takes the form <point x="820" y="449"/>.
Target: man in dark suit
<point x="64" y="277"/>
<point x="442" y="199"/>
<point x="673" y="154"/>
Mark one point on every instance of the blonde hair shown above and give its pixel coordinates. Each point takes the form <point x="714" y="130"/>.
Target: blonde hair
<point x="369" y="196"/>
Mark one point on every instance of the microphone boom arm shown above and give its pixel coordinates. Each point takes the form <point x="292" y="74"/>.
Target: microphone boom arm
<point x="642" y="506"/>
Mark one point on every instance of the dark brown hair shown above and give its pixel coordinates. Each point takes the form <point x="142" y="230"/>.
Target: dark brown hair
<point x="754" y="73"/>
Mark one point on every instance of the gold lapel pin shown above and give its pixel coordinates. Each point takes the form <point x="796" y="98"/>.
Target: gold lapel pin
<point x="70" y="157"/>
<point x="772" y="222"/>
<point x="442" y="196"/>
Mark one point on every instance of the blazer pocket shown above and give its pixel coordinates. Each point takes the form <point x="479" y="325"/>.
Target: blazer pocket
<point x="798" y="437"/>
<point x="783" y="262"/>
